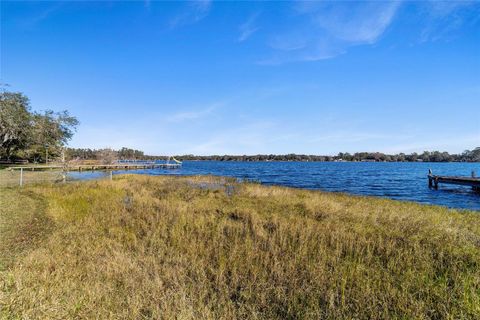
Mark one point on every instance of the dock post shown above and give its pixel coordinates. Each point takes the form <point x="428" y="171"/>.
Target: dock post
<point x="475" y="188"/>
<point x="111" y="175"/>
<point x="21" y="177"/>
<point x="430" y="178"/>
<point x="436" y="183"/>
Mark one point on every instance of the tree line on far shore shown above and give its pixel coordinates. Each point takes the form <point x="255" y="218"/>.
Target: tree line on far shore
<point x="107" y="154"/>
<point x="427" y="156"/>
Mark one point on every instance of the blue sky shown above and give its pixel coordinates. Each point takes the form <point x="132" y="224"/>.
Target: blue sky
<point x="209" y="77"/>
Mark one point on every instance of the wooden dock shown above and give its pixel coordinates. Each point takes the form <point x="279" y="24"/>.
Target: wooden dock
<point x="65" y="167"/>
<point x="104" y="167"/>
<point x="435" y="180"/>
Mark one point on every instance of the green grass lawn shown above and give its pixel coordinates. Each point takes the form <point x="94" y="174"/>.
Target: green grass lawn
<point x="142" y="247"/>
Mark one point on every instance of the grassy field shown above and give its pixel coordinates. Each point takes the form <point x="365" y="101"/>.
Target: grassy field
<point x="11" y="178"/>
<point x="143" y="247"/>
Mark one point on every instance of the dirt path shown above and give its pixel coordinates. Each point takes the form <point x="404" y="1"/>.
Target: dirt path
<point x="23" y="223"/>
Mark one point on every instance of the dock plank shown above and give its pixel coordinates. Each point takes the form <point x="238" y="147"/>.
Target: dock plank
<point x="435" y="180"/>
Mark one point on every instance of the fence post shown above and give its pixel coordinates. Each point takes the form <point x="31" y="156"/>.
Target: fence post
<point x="64" y="167"/>
<point x="21" y="177"/>
<point x="111" y="175"/>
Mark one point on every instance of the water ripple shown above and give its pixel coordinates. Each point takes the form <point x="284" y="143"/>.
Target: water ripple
<point x="401" y="181"/>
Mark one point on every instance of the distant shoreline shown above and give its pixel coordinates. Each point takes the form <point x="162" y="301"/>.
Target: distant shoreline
<point x="426" y="156"/>
<point x="348" y="161"/>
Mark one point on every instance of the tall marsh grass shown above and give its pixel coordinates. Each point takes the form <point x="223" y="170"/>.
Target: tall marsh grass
<point x="145" y="247"/>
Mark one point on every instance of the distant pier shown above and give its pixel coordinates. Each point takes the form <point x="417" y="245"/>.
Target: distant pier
<point x="65" y="167"/>
<point x="435" y="180"/>
<point x="94" y="167"/>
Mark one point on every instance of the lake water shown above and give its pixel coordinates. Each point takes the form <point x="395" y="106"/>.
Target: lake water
<point x="401" y="181"/>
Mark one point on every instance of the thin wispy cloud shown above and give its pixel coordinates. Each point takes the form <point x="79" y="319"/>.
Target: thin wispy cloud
<point x="192" y="12"/>
<point x="248" y="28"/>
<point x="31" y="22"/>
<point x="193" y="115"/>
<point x="443" y="18"/>
<point x="324" y="30"/>
<point x="360" y="24"/>
<point x="328" y="29"/>
<point x="251" y="137"/>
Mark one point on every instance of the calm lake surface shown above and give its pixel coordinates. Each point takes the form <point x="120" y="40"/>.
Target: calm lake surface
<point x="400" y="181"/>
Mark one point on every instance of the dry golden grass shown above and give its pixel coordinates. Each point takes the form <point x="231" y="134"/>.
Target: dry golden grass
<point x="208" y="248"/>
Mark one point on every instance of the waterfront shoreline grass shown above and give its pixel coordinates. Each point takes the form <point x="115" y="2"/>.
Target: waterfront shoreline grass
<point x="210" y="247"/>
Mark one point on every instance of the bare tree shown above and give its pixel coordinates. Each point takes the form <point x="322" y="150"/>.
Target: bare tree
<point x="107" y="156"/>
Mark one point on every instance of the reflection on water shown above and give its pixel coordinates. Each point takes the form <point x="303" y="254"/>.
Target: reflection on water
<point x="401" y="181"/>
